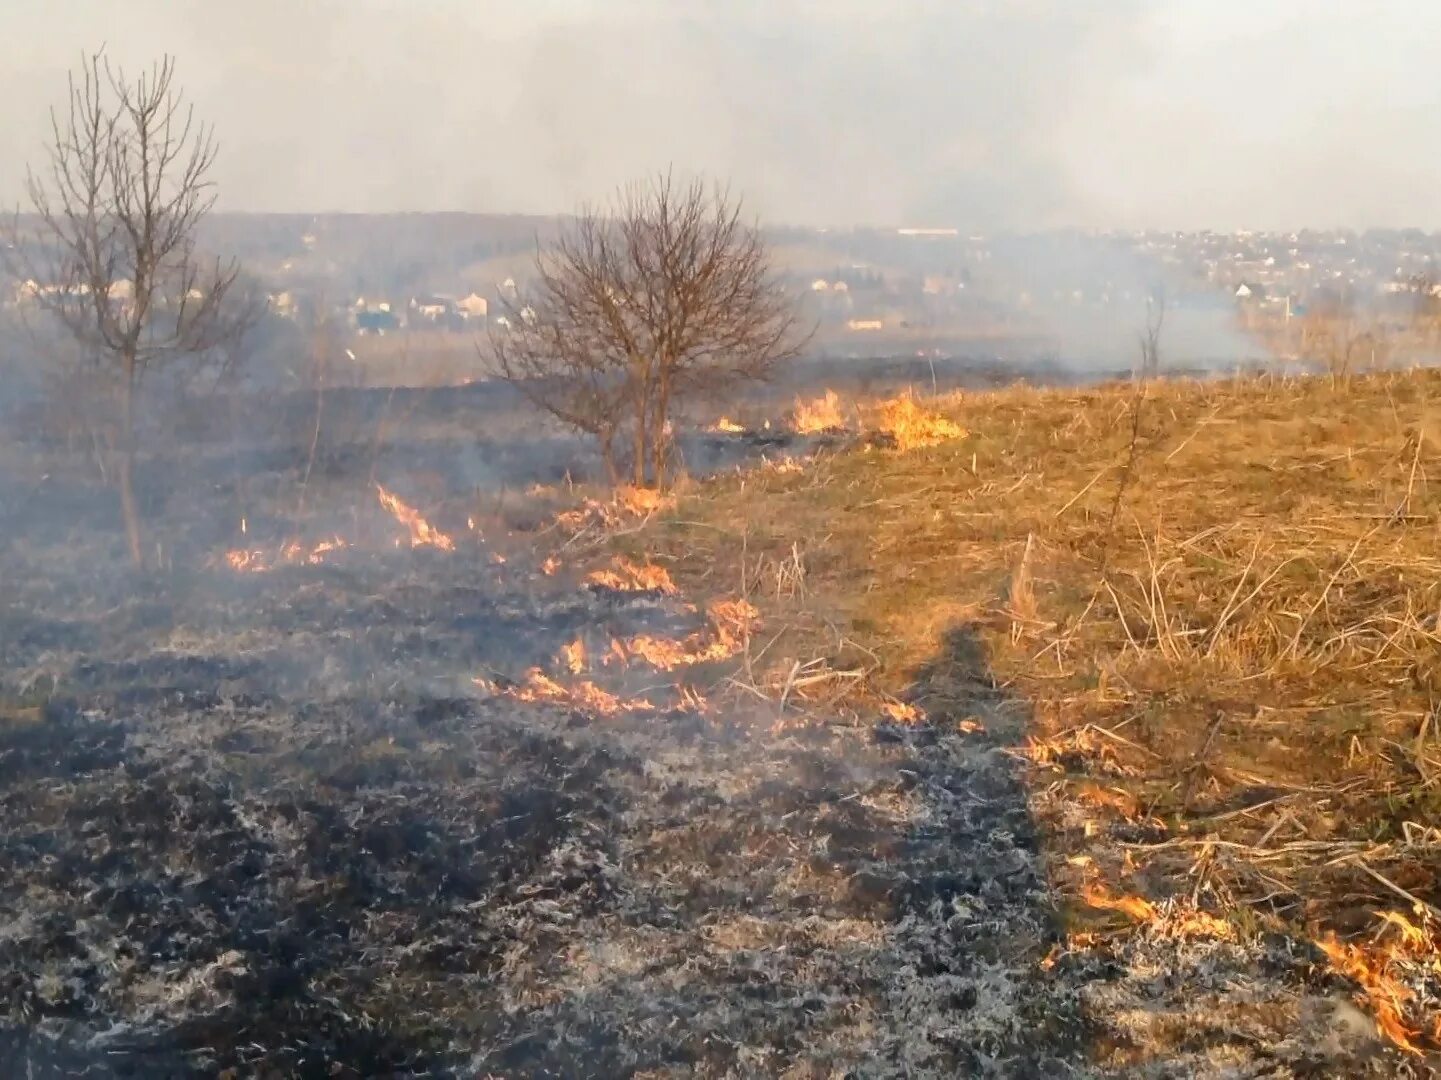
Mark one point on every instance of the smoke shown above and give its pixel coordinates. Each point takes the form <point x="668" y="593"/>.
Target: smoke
<point x="979" y="114"/>
<point x="1091" y="297"/>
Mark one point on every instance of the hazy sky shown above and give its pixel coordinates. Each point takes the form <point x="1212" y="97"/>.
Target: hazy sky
<point x="1027" y="113"/>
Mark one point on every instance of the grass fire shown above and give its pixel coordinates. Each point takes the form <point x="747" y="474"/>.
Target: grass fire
<point x="420" y="798"/>
<point x="641" y="639"/>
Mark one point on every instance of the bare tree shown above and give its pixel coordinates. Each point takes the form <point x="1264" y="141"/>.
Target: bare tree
<point x="665" y="294"/>
<point x="1344" y="335"/>
<point x="112" y="249"/>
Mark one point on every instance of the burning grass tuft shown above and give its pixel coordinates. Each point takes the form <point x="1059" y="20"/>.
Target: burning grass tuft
<point x="422" y="533"/>
<point x="1387" y="974"/>
<point x="627" y="576"/>
<point x="818" y="415"/>
<point x="913" y="427"/>
<point x="292" y="553"/>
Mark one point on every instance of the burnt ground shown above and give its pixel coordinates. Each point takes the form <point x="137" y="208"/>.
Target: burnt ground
<point x="269" y="824"/>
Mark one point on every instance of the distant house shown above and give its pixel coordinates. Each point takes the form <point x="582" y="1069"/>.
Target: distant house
<point x="431" y="308"/>
<point x="473" y="306"/>
<point x="30" y="289"/>
<point x="1250" y="291"/>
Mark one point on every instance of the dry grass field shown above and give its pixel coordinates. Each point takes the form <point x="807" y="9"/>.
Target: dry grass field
<point x="1211" y="612"/>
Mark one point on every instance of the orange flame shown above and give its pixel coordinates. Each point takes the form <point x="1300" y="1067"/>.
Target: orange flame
<point x="660" y="653"/>
<point x="664" y="654"/>
<point x="574" y="656"/>
<point x="319" y="551"/>
<point x="254" y="560"/>
<point x="731" y="621"/>
<point x="727" y="426"/>
<point x="631" y="577"/>
<point x="421" y="531"/>
<point x="1177" y="920"/>
<point x="1195" y="923"/>
<point x="641" y="500"/>
<point x="1387" y="997"/>
<point x="1137" y="907"/>
<point x="1122" y="802"/>
<point x="733" y="615"/>
<point x="913" y="427"/>
<point x="1414" y="940"/>
<point x="243" y="560"/>
<point x="1051" y="751"/>
<point x="626" y="502"/>
<point x="539" y="687"/>
<point x="817" y="415"/>
<point x="903" y="713"/>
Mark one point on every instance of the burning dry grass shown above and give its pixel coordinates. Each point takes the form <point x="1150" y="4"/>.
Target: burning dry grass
<point x="901" y="421"/>
<point x="913" y="427"/>
<point x="292" y="553"/>
<point x="627" y="576"/>
<point x="1387" y="974"/>
<point x="1225" y="627"/>
<point x="731" y="623"/>
<point x="818" y="415"/>
<point x="422" y="533"/>
<point x="624" y="506"/>
<point x="581" y="694"/>
<point x="282" y="829"/>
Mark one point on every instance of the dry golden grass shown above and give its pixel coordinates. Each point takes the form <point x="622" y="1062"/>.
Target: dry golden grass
<point x="1243" y="651"/>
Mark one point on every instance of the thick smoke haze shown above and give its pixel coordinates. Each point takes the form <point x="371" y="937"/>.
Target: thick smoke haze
<point x="1029" y="113"/>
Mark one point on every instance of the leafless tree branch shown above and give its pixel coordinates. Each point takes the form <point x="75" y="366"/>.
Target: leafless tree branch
<point x="666" y="293"/>
<point x="110" y="250"/>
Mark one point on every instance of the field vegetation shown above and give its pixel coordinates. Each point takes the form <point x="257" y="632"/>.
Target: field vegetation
<point x="1211" y="610"/>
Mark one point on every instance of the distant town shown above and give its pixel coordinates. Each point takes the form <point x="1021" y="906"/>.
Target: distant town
<point x="433" y="277"/>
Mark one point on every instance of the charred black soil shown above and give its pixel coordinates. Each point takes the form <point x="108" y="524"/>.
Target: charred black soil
<point x="271" y="823"/>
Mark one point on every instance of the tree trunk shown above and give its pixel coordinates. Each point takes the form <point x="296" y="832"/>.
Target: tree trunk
<point x="660" y="439"/>
<point x="607" y="456"/>
<point x="641" y="445"/>
<point x="128" y="506"/>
